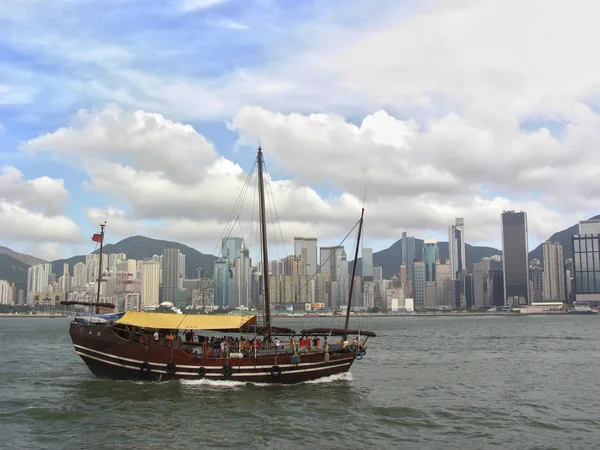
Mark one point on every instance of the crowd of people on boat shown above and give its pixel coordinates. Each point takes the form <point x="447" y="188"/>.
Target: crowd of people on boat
<point x="212" y="346"/>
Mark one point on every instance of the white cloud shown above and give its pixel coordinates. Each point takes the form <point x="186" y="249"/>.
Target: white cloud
<point x="421" y="178"/>
<point x="18" y="224"/>
<point x="43" y="193"/>
<point x="194" y="5"/>
<point x="149" y="141"/>
<point x="232" y="24"/>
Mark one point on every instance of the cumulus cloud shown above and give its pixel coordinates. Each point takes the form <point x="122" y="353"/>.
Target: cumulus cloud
<point x="423" y="177"/>
<point x="18" y="224"/>
<point x="147" y="140"/>
<point x="43" y="193"/>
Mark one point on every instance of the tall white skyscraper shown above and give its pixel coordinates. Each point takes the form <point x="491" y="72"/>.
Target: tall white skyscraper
<point x="150" y="271"/>
<point x="456" y="248"/>
<point x="554" y="278"/>
<point x="66" y="279"/>
<point x="38" y="277"/>
<point x="306" y="248"/>
<point x="79" y="275"/>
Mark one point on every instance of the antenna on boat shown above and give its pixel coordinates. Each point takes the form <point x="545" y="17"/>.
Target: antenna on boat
<point x="263" y="229"/>
<point x="99" y="238"/>
<point x="360" y="224"/>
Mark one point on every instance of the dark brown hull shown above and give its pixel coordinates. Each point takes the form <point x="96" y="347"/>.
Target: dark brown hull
<point x="110" y="356"/>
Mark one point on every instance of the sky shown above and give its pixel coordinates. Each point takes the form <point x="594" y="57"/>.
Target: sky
<point x="147" y="115"/>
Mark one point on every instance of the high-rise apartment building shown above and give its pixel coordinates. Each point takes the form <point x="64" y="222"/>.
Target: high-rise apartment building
<point x="306" y="248"/>
<point x="554" y="272"/>
<point x="170" y="274"/>
<point x="38" y="277"/>
<point x="515" y="261"/>
<point x="536" y="280"/>
<point x="456" y="247"/>
<point x="150" y="274"/>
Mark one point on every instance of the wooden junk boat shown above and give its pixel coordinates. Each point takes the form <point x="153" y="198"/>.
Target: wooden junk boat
<point x="137" y="345"/>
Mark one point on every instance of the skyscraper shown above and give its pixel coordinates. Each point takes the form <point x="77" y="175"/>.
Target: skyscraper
<point x="37" y="280"/>
<point x="221" y="281"/>
<point x="430" y="256"/>
<point x="150" y="283"/>
<point x="170" y="274"/>
<point x="408" y="253"/>
<point x="333" y="262"/>
<point x="306" y="248"/>
<point x="554" y="272"/>
<point x="456" y="247"/>
<point x="591" y="226"/>
<point x="418" y="276"/>
<point x="515" y="261"/>
<point x="367" y="264"/>
<point x="231" y="248"/>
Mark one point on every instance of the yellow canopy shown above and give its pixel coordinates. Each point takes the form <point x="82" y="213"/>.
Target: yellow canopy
<point x="186" y="322"/>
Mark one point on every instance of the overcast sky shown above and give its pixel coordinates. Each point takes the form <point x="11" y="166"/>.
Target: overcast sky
<point x="147" y="114"/>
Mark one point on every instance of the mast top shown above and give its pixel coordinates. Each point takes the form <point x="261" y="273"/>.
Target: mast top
<point x="259" y="149"/>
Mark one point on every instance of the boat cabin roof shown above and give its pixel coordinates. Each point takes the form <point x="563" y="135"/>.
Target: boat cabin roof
<point x="166" y="321"/>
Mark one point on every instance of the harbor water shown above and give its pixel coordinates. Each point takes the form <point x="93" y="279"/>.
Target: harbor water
<point x="441" y="382"/>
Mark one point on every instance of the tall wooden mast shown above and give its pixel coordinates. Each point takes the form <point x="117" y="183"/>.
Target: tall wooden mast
<point x="100" y="267"/>
<point x="360" y="224"/>
<point x="263" y="229"/>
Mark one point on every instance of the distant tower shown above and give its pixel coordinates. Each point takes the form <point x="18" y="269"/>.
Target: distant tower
<point x="367" y="264"/>
<point x="554" y="272"/>
<point x="170" y="274"/>
<point x="456" y="247"/>
<point x="306" y="248"/>
<point x="515" y="261"/>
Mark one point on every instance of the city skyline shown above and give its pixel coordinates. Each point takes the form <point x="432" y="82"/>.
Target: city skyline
<point x="95" y="127"/>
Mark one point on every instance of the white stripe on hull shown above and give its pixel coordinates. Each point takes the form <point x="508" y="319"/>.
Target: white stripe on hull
<point x="210" y="374"/>
<point x="231" y="361"/>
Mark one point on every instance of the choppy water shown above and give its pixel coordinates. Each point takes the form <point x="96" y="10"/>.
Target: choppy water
<point x="480" y="382"/>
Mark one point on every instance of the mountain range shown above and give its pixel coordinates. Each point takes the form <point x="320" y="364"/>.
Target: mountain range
<point x="14" y="265"/>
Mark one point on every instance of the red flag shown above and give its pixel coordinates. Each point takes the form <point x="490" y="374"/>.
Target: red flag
<point x="97" y="237"/>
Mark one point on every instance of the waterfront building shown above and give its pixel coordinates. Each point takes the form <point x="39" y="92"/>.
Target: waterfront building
<point x="536" y="278"/>
<point x="515" y="261"/>
<point x="554" y="272"/>
<point x="418" y="278"/>
<point x="586" y="267"/>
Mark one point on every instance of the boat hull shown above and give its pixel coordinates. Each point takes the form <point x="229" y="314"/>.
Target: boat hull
<point x="108" y="355"/>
